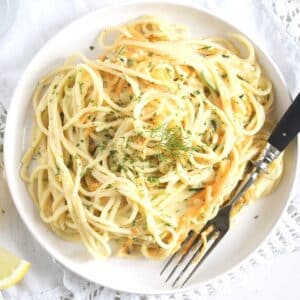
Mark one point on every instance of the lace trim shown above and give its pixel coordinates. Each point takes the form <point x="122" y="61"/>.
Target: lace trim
<point x="288" y="13"/>
<point x="3" y="113"/>
<point x="284" y="239"/>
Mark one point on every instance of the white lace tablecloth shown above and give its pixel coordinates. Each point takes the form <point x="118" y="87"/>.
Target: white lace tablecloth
<point x="274" y="24"/>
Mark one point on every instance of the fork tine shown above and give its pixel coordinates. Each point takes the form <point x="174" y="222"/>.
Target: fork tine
<point x="181" y="259"/>
<point x="215" y="243"/>
<point x="183" y="256"/>
<point x="169" y="261"/>
<point x="177" y="252"/>
<point x="193" y="257"/>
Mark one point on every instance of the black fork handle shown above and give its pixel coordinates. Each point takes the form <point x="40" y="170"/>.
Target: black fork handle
<point x="288" y="126"/>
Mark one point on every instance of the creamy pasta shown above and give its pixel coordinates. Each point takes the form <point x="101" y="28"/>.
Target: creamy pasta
<point x="132" y="150"/>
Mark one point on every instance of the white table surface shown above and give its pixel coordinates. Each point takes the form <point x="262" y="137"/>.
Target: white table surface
<point x="278" y="279"/>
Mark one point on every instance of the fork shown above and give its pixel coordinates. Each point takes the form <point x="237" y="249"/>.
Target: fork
<point x="192" y="247"/>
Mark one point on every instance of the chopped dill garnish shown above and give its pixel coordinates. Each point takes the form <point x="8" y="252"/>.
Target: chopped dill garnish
<point x="196" y="92"/>
<point x="213" y="124"/>
<point x="170" y="140"/>
<point x="153" y="179"/>
<point x="80" y="86"/>
<point x="138" y="98"/>
<point x="57" y="171"/>
<point x="130" y="62"/>
<point x="225" y="56"/>
<point x="160" y="157"/>
<point x="241" y="78"/>
<point x="121" y="51"/>
<point x="198" y="148"/>
<point x="121" y="167"/>
<point x="112" y="152"/>
<point x="69" y="163"/>
<point x="196" y="189"/>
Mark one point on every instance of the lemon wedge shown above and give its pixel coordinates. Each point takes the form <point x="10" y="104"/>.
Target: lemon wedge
<point x="12" y="269"/>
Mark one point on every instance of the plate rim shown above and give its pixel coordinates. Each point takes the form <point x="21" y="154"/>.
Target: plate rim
<point x="9" y="166"/>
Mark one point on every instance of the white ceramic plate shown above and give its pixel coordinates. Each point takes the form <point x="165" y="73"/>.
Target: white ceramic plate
<point x="137" y="276"/>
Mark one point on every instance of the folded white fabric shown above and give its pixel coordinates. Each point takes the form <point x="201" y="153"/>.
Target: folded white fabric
<point x="274" y="25"/>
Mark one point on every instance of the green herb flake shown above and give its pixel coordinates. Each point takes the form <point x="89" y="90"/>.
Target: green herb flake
<point x="153" y="179"/>
<point x="101" y="146"/>
<point x="213" y="124"/>
<point x="121" y="167"/>
<point x="57" y="171"/>
<point x="241" y="78"/>
<point x="138" y="98"/>
<point x="121" y="51"/>
<point x="80" y="86"/>
<point x="196" y="189"/>
<point x="69" y="163"/>
<point x="130" y="62"/>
